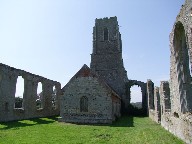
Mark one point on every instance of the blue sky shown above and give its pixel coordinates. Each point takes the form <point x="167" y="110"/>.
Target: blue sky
<point x="53" y="38"/>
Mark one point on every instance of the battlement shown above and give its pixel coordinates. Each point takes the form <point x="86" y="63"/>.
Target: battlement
<point x="106" y="19"/>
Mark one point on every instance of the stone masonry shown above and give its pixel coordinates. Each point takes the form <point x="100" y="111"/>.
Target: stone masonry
<point x="107" y="61"/>
<point x="176" y="94"/>
<point x="8" y="80"/>
<point x="99" y="93"/>
<point x="103" y="104"/>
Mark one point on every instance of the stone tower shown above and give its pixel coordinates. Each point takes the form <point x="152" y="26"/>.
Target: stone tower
<point x="106" y="58"/>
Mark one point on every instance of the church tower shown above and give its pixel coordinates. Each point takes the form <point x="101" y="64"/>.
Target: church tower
<point x="106" y="58"/>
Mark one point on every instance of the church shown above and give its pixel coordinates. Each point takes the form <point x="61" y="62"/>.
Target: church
<point x="95" y="94"/>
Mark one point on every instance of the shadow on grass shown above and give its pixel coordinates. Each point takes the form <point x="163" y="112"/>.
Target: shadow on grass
<point x="31" y="122"/>
<point x="124" y="121"/>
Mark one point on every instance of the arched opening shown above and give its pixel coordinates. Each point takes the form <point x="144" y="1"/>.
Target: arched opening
<point x="182" y="67"/>
<point x="106" y="34"/>
<point x="53" y="99"/>
<point x="136" y="96"/>
<point x="84" y="104"/>
<point x="39" y="97"/>
<point x="19" y="93"/>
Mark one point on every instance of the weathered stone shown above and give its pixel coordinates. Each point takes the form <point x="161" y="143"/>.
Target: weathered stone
<point x="103" y="105"/>
<point x="8" y="80"/>
<point x="176" y="95"/>
<point x="106" y="59"/>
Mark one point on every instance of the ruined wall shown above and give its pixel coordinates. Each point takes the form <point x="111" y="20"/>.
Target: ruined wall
<point x="103" y="107"/>
<point x="150" y="95"/>
<point x="154" y="107"/>
<point x="8" y="80"/>
<point x="176" y="95"/>
<point x="165" y="105"/>
<point x="181" y="56"/>
<point x="178" y="120"/>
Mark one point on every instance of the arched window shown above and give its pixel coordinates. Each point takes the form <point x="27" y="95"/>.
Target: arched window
<point x="19" y="93"/>
<point x="84" y="104"/>
<point x="106" y="34"/>
<point x="39" y="96"/>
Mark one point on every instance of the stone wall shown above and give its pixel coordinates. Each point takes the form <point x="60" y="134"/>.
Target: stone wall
<point x="106" y="58"/>
<point x="154" y="107"/>
<point x="8" y="80"/>
<point x="176" y="95"/>
<point x="150" y="95"/>
<point x="103" y="106"/>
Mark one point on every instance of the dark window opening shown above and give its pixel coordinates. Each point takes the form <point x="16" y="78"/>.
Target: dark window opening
<point x="106" y="34"/>
<point x="84" y="104"/>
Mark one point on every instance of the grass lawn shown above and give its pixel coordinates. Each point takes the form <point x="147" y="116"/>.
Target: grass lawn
<point x="127" y="130"/>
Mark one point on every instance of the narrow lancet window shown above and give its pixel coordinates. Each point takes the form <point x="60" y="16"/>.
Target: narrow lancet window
<point x="19" y="92"/>
<point x="106" y="34"/>
<point x="39" y="96"/>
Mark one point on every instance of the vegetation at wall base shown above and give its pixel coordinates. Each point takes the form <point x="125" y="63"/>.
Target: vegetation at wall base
<point x="127" y="130"/>
<point x="135" y="111"/>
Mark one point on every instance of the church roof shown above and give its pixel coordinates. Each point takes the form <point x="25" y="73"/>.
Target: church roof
<point x="85" y="71"/>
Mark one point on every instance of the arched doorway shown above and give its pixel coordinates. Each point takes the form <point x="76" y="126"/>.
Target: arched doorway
<point x="136" y="96"/>
<point x="136" y="91"/>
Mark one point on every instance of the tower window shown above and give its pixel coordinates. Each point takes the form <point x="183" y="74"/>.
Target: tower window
<point x="84" y="104"/>
<point x="106" y="34"/>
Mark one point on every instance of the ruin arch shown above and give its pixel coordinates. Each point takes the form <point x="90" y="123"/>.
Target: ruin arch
<point x="142" y="85"/>
<point x="182" y="61"/>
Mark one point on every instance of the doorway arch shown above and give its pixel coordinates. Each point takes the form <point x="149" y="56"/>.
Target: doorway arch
<point x="142" y="85"/>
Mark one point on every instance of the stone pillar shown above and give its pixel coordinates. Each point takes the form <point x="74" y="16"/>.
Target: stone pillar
<point x="47" y="95"/>
<point x="157" y="105"/>
<point x="150" y="94"/>
<point x="58" y="96"/>
<point x="165" y="97"/>
<point x="29" y="97"/>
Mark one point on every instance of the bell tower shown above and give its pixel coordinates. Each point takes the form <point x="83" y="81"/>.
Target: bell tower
<point x="106" y="58"/>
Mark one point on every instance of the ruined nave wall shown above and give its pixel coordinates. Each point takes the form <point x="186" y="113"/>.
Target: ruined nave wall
<point x="8" y="80"/>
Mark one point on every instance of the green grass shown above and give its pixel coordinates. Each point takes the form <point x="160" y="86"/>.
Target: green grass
<point x="127" y="130"/>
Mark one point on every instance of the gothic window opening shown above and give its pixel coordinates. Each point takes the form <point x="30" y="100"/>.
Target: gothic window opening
<point x="84" y="104"/>
<point x="182" y="56"/>
<point x="19" y="93"/>
<point x="39" y="96"/>
<point x="106" y="34"/>
<point x="182" y="53"/>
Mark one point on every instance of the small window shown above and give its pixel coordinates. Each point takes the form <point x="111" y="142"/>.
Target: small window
<point x="84" y="104"/>
<point x="106" y="34"/>
<point x="19" y="93"/>
<point x="39" y="96"/>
